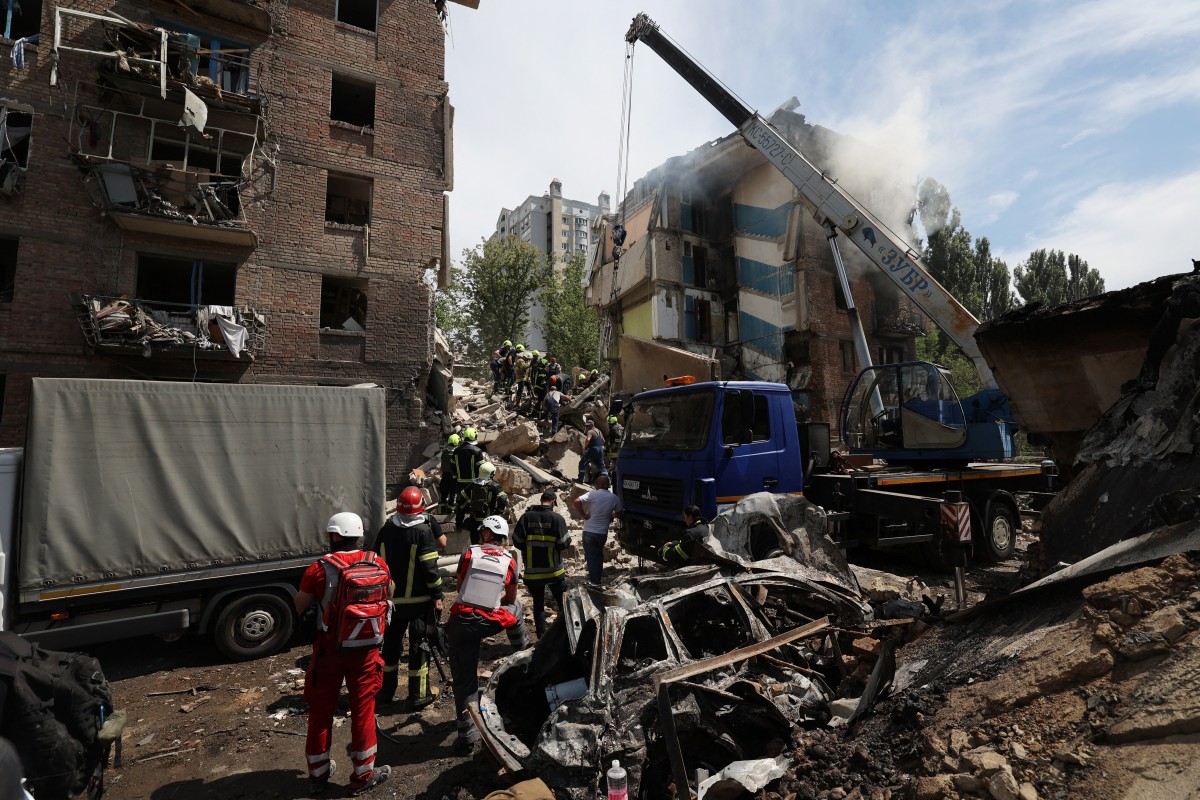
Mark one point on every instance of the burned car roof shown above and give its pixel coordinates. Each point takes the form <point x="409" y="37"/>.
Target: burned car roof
<point x="620" y="640"/>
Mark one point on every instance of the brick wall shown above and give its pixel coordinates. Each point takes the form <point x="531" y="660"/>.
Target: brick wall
<point x="66" y="245"/>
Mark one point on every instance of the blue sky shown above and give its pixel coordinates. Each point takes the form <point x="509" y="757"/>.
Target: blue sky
<point x="1073" y="126"/>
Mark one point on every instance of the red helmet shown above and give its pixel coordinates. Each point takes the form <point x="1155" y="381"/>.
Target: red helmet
<point x="553" y="379"/>
<point x="411" y="501"/>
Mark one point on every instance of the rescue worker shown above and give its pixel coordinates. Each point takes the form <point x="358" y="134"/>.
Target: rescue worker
<point x="467" y="458"/>
<point x="499" y="358"/>
<point x="684" y="550"/>
<point x="616" y="432"/>
<point x="541" y="533"/>
<point x="483" y="497"/>
<point x="539" y="379"/>
<point x="521" y="365"/>
<point x="361" y="668"/>
<point x="553" y="368"/>
<point x="448" y="485"/>
<point x="510" y="361"/>
<point x="593" y="450"/>
<point x="487" y="604"/>
<point x="553" y="403"/>
<point x="408" y="543"/>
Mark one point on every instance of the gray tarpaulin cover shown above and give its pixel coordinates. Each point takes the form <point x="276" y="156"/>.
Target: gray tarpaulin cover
<point x="146" y="475"/>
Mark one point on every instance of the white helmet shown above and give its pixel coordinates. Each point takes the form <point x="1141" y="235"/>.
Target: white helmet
<point x="497" y="525"/>
<point x="487" y="469"/>
<point x="346" y="524"/>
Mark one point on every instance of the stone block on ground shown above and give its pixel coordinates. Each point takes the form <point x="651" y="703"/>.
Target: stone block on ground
<point x="521" y="439"/>
<point x="515" y="480"/>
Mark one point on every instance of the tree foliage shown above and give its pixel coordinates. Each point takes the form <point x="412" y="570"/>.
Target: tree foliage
<point x="491" y="294"/>
<point x="1053" y="278"/>
<point x="571" y="327"/>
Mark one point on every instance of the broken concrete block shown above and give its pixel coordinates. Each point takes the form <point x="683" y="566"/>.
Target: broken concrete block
<point x="958" y="740"/>
<point x="1028" y="792"/>
<point x="1166" y="622"/>
<point x="521" y="439"/>
<point x="933" y="787"/>
<point x="1003" y="786"/>
<point x="884" y="586"/>
<point x="968" y="783"/>
<point x="515" y="480"/>
<point x="985" y="761"/>
<point x="866" y="646"/>
<point x="568" y="465"/>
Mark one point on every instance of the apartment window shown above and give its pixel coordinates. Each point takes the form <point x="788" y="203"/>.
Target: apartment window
<point x="891" y="355"/>
<point x="8" y="268"/>
<point x="849" y="359"/>
<point x="700" y="266"/>
<point x="566" y="246"/>
<point x="185" y="281"/>
<point x="15" y="129"/>
<point x="580" y="234"/>
<point x="21" y="19"/>
<point x="359" y="13"/>
<point x="703" y="320"/>
<point x="566" y="220"/>
<point x="566" y="234"/>
<point x="348" y="200"/>
<point x="582" y="248"/>
<point x="580" y="222"/>
<point x="687" y="249"/>
<point x="171" y="146"/>
<point x="352" y="101"/>
<point x="343" y="303"/>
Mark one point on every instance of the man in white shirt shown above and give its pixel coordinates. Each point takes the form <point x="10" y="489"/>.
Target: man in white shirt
<point x="598" y="508"/>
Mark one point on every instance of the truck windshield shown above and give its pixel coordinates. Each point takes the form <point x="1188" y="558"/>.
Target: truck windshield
<point x="671" y="422"/>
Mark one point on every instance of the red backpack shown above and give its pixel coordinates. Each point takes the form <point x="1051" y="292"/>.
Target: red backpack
<point x="357" y="613"/>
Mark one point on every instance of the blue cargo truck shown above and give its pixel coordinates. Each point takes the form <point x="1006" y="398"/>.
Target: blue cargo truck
<point x="713" y="443"/>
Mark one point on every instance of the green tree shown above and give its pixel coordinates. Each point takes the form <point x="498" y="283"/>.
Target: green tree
<point x="497" y="284"/>
<point x="451" y="313"/>
<point x="571" y="326"/>
<point x="1053" y="278"/>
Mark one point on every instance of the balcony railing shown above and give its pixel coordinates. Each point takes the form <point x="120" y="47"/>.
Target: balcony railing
<point x="150" y="328"/>
<point x="901" y="323"/>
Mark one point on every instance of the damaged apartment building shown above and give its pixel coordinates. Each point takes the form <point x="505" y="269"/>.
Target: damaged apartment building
<point x="724" y="274"/>
<point x="223" y="190"/>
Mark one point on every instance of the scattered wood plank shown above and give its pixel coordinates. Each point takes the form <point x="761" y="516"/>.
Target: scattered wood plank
<point x="279" y="730"/>
<point x="539" y="475"/>
<point x="188" y="708"/>
<point x="165" y="755"/>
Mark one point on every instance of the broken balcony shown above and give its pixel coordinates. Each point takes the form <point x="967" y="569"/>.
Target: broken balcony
<point x="126" y="326"/>
<point x="156" y="166"/>
<point x="899" y="322"/>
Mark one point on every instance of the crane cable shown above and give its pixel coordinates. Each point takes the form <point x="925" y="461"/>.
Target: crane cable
<point x="618" y="229"/>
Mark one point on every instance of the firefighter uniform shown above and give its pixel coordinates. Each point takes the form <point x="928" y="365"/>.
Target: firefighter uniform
<point x="467" y="458"/>
<point x="408" y="544"/>
<point x="541" y="534"/>
<point x="482" y="498"/>
<point x="684" y="550"/>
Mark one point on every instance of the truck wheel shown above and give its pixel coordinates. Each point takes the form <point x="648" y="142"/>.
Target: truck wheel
<point x="999" y="539"/>
<point x="253" y="626"/>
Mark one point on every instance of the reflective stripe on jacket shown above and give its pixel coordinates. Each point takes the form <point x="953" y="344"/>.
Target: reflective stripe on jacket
<point x="542" y="534"/>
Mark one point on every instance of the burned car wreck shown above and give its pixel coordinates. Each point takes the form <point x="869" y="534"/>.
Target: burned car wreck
<point x="686" y="670"/>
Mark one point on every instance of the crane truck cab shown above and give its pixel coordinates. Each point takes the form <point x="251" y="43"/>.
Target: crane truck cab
<point x="708" y="444"/>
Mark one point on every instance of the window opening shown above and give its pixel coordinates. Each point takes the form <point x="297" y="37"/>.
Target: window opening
<point x="21" y="19"/>
<point x="8" y="268"/>
<point x="343" y="303"/>
<point x="709" y="623"/>
<point x="352" y="101"/>
<point x="700" y="267"/>
<point x="642" y="644"/>
<point x="849" y="359"/>
<point x="172" y="283"/>
<point x="359" y="13"/>
<point x="703" y="320"/>
<point x="348" y="200"/>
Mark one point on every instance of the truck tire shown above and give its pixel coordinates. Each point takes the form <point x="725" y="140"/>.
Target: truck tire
<point x="998" y="539"/>
<point x="253" y="626"/>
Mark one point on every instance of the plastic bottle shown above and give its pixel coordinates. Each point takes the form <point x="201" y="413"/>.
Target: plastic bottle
<point x="618" y="785"/>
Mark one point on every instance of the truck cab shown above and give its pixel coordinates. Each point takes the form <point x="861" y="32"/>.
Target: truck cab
<point x="707" y="444"/>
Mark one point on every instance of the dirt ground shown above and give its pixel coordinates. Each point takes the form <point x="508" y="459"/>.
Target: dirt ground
<point x="202" y="728"/>
<point x="1056" y="693"/>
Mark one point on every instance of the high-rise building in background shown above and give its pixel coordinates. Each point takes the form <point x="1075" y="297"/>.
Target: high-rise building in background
<point x="555" y="226"/>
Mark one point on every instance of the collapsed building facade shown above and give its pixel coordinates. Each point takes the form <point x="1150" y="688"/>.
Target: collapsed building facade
<point x="224" y="190"/>
<point x="724" y="275"/>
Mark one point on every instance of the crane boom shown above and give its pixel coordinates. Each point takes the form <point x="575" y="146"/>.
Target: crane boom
<point x="829" y="204"/>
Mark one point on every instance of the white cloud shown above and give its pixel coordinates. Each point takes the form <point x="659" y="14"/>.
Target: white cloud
<point x="1130" y="232"/>
<point x="998" y="203"/>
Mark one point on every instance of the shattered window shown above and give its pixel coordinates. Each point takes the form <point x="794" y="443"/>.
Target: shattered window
<point x="174" y="148"/>
<point x="642" y="644"/>
<point x="8" y="268"/>
<point x="709" y="623"/>
<point x="671" y="422"/>
<point x="19" y="20"/>
<point x="359" y="13"/>
<point x="352" y="101"/>
<point x="182" y="282"/>
<point x="343" y="303"/>
<point x="849" y="359"/>
<point x="15" y="129"/>
<point x="348" y="200"/>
